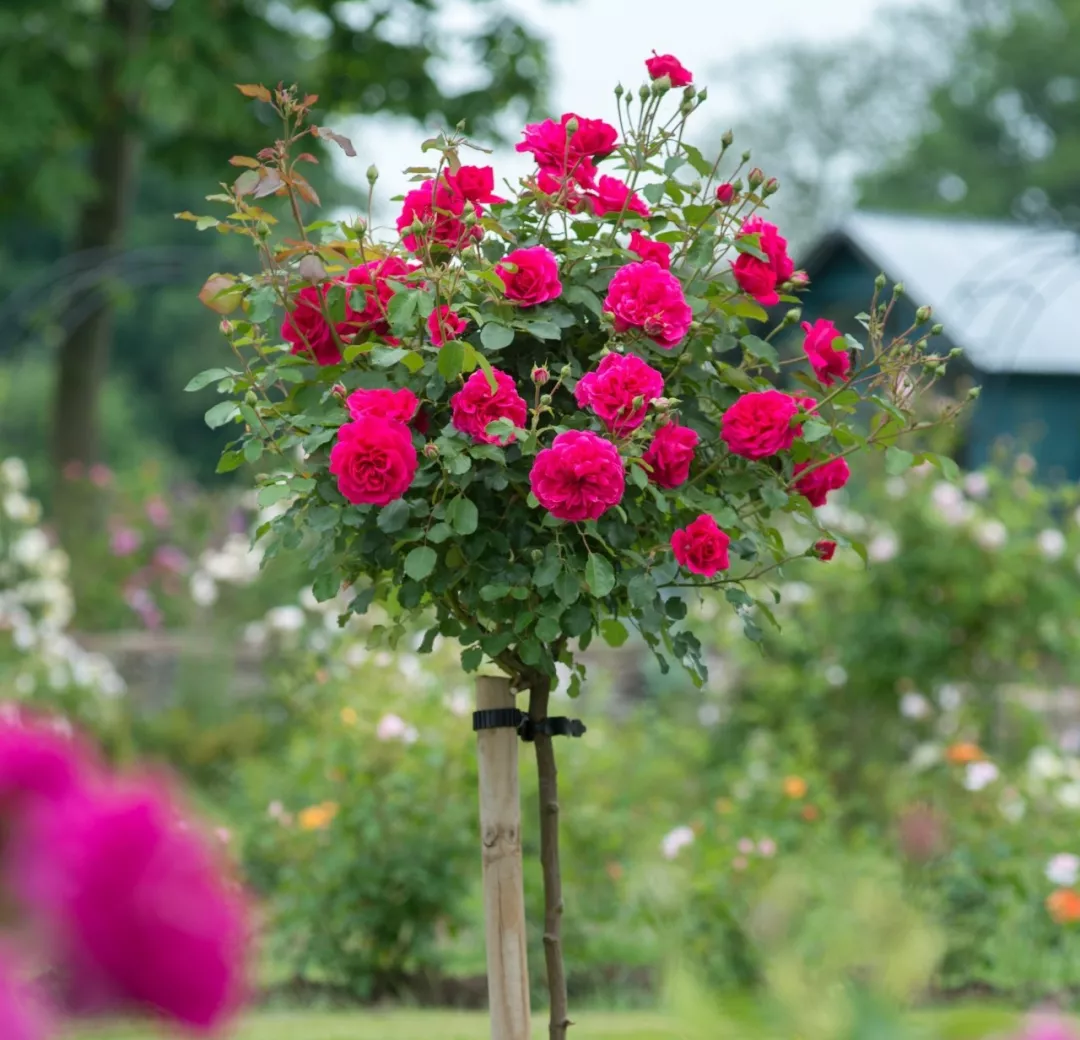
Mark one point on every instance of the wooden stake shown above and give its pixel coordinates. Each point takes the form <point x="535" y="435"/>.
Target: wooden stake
<point x="504" y="895"/>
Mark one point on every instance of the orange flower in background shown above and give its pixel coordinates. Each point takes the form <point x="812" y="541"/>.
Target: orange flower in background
<point x="614" y="871"/>
<point x="318" y="817"/>
<point x="1063" y="905"/>
<point x="964" y="753"/>
<point x="810" y="813"/>
<point x="349" y="716"/>
<point x="794" y="787"/>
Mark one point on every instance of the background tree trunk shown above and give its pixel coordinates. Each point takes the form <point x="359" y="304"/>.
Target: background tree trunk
<point x="84" y="354"/>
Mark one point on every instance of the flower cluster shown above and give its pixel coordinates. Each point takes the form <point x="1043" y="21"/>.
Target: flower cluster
<point x="128" y="903"/>
<point x="578" y="349"/>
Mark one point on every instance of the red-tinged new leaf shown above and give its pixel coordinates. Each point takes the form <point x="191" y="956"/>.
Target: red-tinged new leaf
<point x="221" y="294"/>
<point x="307" y="192"/>
<point x="269" y="183"/>
<point x="247" y="182"/>
<point x="339" y="139"/>
<point x="254" y="90"/>
<point x="244" y="160"/>
<point x="307" y="157"/>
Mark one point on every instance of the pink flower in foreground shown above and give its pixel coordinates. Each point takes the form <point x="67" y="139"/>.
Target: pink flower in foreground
<point x="725" y="193"/>
<point x="760" y="424"/>
<point x="441" y="210"/>
<point x="579" y="477"/>
<point x="474" y="183"/>
<point x="816" y="485"/>
<point x="828" y="362"/>
<point x="759" y="278"/>
<point x="306" y="328"/>
<point x="825" y="549"/>
<point x="22" y="1013"/>
<point x="476" y="405"/>
<point x="374" y="460"/>
<point x="619" y="391"/>
<point x="645" y="296"/>
<point x="38" y="763"/>
<point x="701" y="547"/>
<point x="613" y="196"/>
<point x="647" y="249"/>
<point x="535" y="277"/>
<point x="368" y="293"/>
<point x="398" y="405"/>
<point x="670" y="66"/>
<point x="670" y="455"/>
<point x="444" y="325"/>
<point x="566" y="154"/>
<point x="136" y="906"/>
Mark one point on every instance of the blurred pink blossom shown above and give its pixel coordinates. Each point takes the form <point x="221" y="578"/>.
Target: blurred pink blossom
<point x="391" y="727"/>
<point x="746" y="846"/>
<point x="124" y="541"/>
<point x="767" y="848"/>
<point x="22" y="1015"/>
<point x="739" y="863"/>
<point x="170" y="558"/>
<point x="157" y="512"/>
<point x="100" y="475"/>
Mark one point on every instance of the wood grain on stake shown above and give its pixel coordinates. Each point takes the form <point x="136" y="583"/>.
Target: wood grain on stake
<point x="504" y="896"/>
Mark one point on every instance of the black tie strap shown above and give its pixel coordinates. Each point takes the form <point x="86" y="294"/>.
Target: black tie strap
<point x="514" y="718"/>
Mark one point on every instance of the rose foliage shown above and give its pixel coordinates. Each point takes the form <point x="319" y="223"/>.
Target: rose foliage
<point x="522" y="418"/>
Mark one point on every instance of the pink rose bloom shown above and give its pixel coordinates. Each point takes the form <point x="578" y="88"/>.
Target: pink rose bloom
<point x="38" y="763"/>
<point x="474" y="184"/>
<point x="170" y="558"/>
<point x="611" y="390"/>
<point x="670" y="455"/>
<point x="372" y="279"/>
<point x="22" y="1012"/>
<point x="374" y="460"/>
<point x="816" y="485"/>
<point x="725" y="193"/>
<point x="579" y="477"/>
<point x="307" y="330"/>
<point x="441" y="210"/>
<point x="759" y="278"/>
<point x="613" y="196"/>
<point x="398" y="405"/>
<point x="670" y="66"/>
<point x="476" y="405"/>
<point x="647" y="249"/>
<point x="444" y="324"/>
<point x="124" y="541"/>
<point x="136" y="905"/>
<point x="701" y="547"/>
<point x="548" y="143"/>
<point x="536" y="278"/>
<point x="760" y="424"/>
<point x="1047" y="1027"/>
<point x="828" y="362"/>
<point x="825" y="549"/>
<point x="645" y="296"/>
<point x="157" y="512"/>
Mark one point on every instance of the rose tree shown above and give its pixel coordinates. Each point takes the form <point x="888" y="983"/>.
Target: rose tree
<point x="526" y="419"/>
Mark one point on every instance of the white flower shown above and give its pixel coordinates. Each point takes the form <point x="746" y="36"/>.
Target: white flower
<point x="410" y="667"/>
<point x="30" y="547"/>
<point x="883" y="548"/>
<point x="356" y="655"/>
<point x="950" y="697"/>
<point x="255" y="634"/>
<point x="950" y="504"/>
<point x="308" y="600"/>
<point x="13" y="473"/>
<point x="286" y="619"/>
<point x="915" y="706"/>
<point x="1051" y="543"/>
<point x="1069" y="795"/>
<point x="54" y="565"/>
<point x="675" y="840"/>
<point x="203" y="589"/>
<point x="383" y="659"/>
<point x="925" y="756"/>
<point x="21" y="509"/>
<point x="708" y="714"/>
<point x="410" y="736"/>
<point x="835" y="675"/>
<point x="392" y="727"/>
<point x="1012" y="806"/>
<point x="991" y="534"/>
<point x="980" y="774"/>
<point x="896" y="487"/>
<point x="1063" y="869"/>
<point x="796" y="592"/>
<point x="1045" y="764"/>
<point x="460" y="702"/>
<point x="977" y="485"/>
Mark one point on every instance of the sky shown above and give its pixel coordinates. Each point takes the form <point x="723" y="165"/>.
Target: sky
<point x="596" y="43"/>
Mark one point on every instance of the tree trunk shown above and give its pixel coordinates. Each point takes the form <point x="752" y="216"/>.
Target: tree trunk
<point x="559" y="1022"/>
<point x="83" y="359"/>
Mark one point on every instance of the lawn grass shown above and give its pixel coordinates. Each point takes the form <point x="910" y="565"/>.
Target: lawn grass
<point x="965" y="1023"/>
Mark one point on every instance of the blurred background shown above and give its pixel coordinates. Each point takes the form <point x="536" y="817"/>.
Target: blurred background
<point x="895" y="768"/>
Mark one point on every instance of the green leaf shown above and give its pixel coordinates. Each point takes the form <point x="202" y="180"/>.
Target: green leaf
<point x="494" y="336"/>
<point x="274" y="493"/>
<point x="253" y="451"/>
<point x="393" y="517"/>
<point x="462" y="515"/>
<point x="897" y="461"/>
<point x="261" y="304"/>
<point x="439" y="533"/>
<point x="949" y="469"/>
<point x="615" y="633"/>
<point x="229" y="461"/>
<point x="756" y="347"/>
<point x="585" y="296"/>
<point x="471" y="658"/>
<point x="642" y="590"/>
<point x="568" y="587"/>
<point x="451" y="359"/>
<point x="599" y="575"/>
<point x="577" y="620"/>
<point x="547" y="571"/>
<point x="544" y="330"/>
<point x="653" y="192"/>
<point x="221" y="413"/>
<point x="548" y="629"/>
<point x="402" y="310"/>
<point x="210" y="375"/>
<point x="420" y="562"/>
<point x="773" y="497"/>
<point x="814" y="430"/>
<point x="326" y="586"/>
<point x="385" y="357"/>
